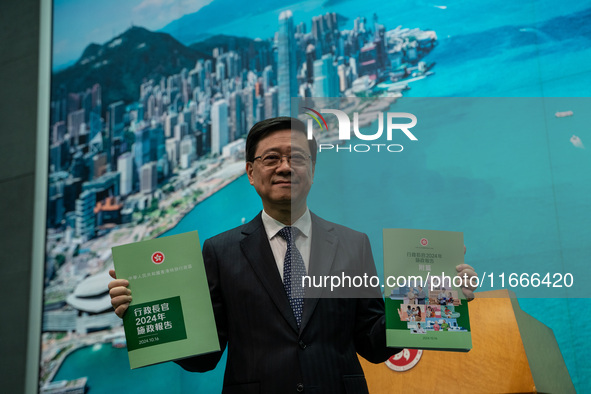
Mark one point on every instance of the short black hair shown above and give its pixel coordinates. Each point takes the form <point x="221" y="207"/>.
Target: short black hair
<point x="268" y="126"/>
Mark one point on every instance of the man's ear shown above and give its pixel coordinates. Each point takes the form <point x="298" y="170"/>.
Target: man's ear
<point x="249" y="170"/>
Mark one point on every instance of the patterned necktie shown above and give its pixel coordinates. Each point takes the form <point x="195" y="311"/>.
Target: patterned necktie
<point x="293" y="272"/>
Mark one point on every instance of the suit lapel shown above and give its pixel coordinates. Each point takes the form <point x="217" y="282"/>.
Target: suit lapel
<point x="322" y="255"/>
<point x="257" y="250"/>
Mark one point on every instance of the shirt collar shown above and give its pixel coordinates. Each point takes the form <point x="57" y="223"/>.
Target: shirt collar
<point x="272" y="226"/>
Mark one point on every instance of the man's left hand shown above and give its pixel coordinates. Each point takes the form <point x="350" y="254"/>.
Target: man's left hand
<point x="466" y="271"/>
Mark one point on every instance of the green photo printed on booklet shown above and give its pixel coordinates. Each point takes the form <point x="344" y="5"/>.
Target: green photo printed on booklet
<point x="425" y="306"/>
<point x="170" y="316"/>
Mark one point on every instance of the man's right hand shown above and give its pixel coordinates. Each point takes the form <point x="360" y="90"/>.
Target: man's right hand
<point x="120" y="294"/>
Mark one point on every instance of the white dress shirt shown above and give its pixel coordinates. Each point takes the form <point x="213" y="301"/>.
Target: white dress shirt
<point x="303" y="239"/>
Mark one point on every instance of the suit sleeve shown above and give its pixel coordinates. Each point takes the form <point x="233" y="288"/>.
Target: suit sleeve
<point x="370" y="321"/>
<point x="209" y="361"/>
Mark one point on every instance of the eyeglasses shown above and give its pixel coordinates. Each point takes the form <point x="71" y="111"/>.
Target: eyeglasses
<point x="273" y="159"/>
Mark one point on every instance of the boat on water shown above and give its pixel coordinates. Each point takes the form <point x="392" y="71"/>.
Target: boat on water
<point x="576" y="141"/>
<point x="119" y="343"/>
<point x="563" y="114"/>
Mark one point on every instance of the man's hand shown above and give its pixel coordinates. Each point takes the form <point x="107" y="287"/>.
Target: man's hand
<point x="465" y="271"/>
<point x="120" y="294"/>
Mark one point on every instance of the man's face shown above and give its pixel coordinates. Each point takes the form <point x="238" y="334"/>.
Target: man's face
<point x="283" y="185"/>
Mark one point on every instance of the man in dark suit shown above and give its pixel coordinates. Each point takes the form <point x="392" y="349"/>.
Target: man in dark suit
<point x="280" y="340"/>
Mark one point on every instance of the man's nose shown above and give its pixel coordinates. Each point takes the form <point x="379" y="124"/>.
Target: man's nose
<point x="284" y="164"/>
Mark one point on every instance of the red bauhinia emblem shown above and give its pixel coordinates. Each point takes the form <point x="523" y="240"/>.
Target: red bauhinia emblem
<point x="157" y="257"/>
<point x="404" y="360"/>
<point x="424" y="241"/>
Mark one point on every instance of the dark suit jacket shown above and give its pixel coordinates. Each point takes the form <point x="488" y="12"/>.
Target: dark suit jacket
<point x="266" y="351"/>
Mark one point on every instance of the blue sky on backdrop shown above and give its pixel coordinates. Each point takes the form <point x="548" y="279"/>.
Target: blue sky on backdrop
<point x="79" y="23"/>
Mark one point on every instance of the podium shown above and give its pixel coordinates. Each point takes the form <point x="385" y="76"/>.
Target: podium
<point x="511" y="353"/>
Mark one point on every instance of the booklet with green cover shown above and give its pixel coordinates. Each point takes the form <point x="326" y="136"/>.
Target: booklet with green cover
<point x="171" y="316"/>
<point x="424" y="309"/>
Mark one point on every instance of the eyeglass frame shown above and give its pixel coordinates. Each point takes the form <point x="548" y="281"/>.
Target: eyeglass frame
<point x="308" y="157"/>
